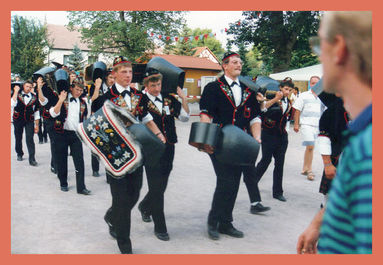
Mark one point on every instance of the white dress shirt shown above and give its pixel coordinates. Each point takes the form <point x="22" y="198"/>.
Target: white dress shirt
<point x="73" y="118"/>
<point x="236" y="89"/>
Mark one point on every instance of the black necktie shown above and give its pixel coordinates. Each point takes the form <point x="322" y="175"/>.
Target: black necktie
<point x="73" y="99"/>
<point x="125" y="92"/>
<point x="157" y="99"/>
<point x="25" y="95"/>
<point x="233" y="84"/>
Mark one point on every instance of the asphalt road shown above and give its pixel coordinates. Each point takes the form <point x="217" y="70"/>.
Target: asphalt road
<point x="45" y="220"/>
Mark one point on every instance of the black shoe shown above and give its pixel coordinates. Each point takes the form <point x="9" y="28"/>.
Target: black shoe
<point x="19" y="158"/>
<point x="280" y="198"/>
<point x="84" y="192"/>
<point x="212" y="232"/>
<point x="145" y="216"/>
<point x="33" y="163"/>
<point x="64" y="188"/>
<point x="258" y="208"/>
<point x="162" y="236"/>
<point x="95" y="174"/>
<point x="111" y="228"/>
<point x="53" y="170"/>
<point x="112" y="233"/>
<point x="231" y="231"/>
<point x="45" y="140"/>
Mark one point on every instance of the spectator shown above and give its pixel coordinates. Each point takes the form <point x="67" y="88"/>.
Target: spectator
<point x="345" y="225"/>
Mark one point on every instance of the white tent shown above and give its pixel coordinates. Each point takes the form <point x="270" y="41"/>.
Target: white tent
<point x="302" y="74"/>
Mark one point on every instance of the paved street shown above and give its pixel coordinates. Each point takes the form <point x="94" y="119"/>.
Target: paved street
<point x="46" y="220"/>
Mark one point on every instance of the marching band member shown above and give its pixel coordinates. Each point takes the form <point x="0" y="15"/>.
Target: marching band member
<point x="227" y="101"/>
<point x="274" y="140"/>
<point x="125" y="191"/>
<point x="25" y="115"/>
<point x="69" y="111"/>
<point x="164" y="109"/>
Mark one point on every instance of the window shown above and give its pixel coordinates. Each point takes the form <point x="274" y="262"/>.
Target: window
<point x="92" y="59"/>
<point x="65" y="59"/>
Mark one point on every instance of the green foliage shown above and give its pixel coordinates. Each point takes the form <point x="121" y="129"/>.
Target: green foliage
<point x="186" y="47"/>
<point x="76" y="60"/>
<point x="280" y="36"/>
<point x="29" y="46"/>
<point x="124" y="32"/>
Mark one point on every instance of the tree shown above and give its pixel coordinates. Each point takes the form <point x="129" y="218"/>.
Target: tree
<point x="280" y="36"/>
<point x="123" y="32"/>
<point x="76" y="59"/>
<point x="29" y="46"/>
<point x="201" y="38"/>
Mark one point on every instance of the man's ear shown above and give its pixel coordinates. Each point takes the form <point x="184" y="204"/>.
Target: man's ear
<point x="341" y="52"/>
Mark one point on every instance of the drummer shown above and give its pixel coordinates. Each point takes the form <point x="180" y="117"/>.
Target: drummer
<point x="228" y="101"/>
<point x="125" y="191"/>
<point x="164" y="108"/>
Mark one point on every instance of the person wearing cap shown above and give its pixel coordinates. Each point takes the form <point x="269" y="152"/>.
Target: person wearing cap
<point x="125" y="191"/>
<point x="228" y="101"/>
<point x="100" y="87"/>
<point x="68" y="112"/>
<point x="25" y="115"/>
<point x="164" y="108"/>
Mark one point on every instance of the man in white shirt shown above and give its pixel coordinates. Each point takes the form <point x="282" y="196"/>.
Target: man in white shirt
<point x="69" y="111"/>
<point x="164" y="108"/>
<point x="308" y="110"/>
<point x="26" y="115"/>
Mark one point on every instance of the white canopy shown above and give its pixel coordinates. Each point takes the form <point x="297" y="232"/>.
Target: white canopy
<point x="302" y="74"/>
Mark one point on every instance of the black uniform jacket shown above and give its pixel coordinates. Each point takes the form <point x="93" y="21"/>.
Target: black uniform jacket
<point x="217" y="101"/>
<point x="138" y="101"/>
<point x="274" y="119"/>
<point x="332" y="124"/>
<point x="52" y="97"/>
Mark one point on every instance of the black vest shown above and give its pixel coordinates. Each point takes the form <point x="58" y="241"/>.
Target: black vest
<point x="24" y="112"/>
<point x="60" y="120"/>
<point x="164" y="122"/>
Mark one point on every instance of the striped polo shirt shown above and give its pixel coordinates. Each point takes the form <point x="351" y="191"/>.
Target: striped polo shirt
<point x="347" y="222"/>
<point x="311" y="108"/>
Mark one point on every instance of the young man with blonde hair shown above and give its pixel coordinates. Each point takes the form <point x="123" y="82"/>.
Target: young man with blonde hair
<point x="125" y="191"/>
<point x="345" y="225"/>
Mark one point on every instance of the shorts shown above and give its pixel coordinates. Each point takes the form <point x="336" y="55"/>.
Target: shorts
<point x="310" y="133"/>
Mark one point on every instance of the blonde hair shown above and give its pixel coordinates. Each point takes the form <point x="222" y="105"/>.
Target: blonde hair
<point x="120" y="65"/>
<point x="356" y="28"/>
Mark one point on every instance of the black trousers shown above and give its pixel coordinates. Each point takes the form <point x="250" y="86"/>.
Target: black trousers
<point x="157" y="177"/>
<point x="29" y="132"/>
<point x="95" y="163"/>
<point x="43" y="133"/>
<point x="63" y="141"/>
<point x="272" y="146"/>
<point x="225" y="194"/>
<point x="52" y="133"/>
<point x="125" y="194"/>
